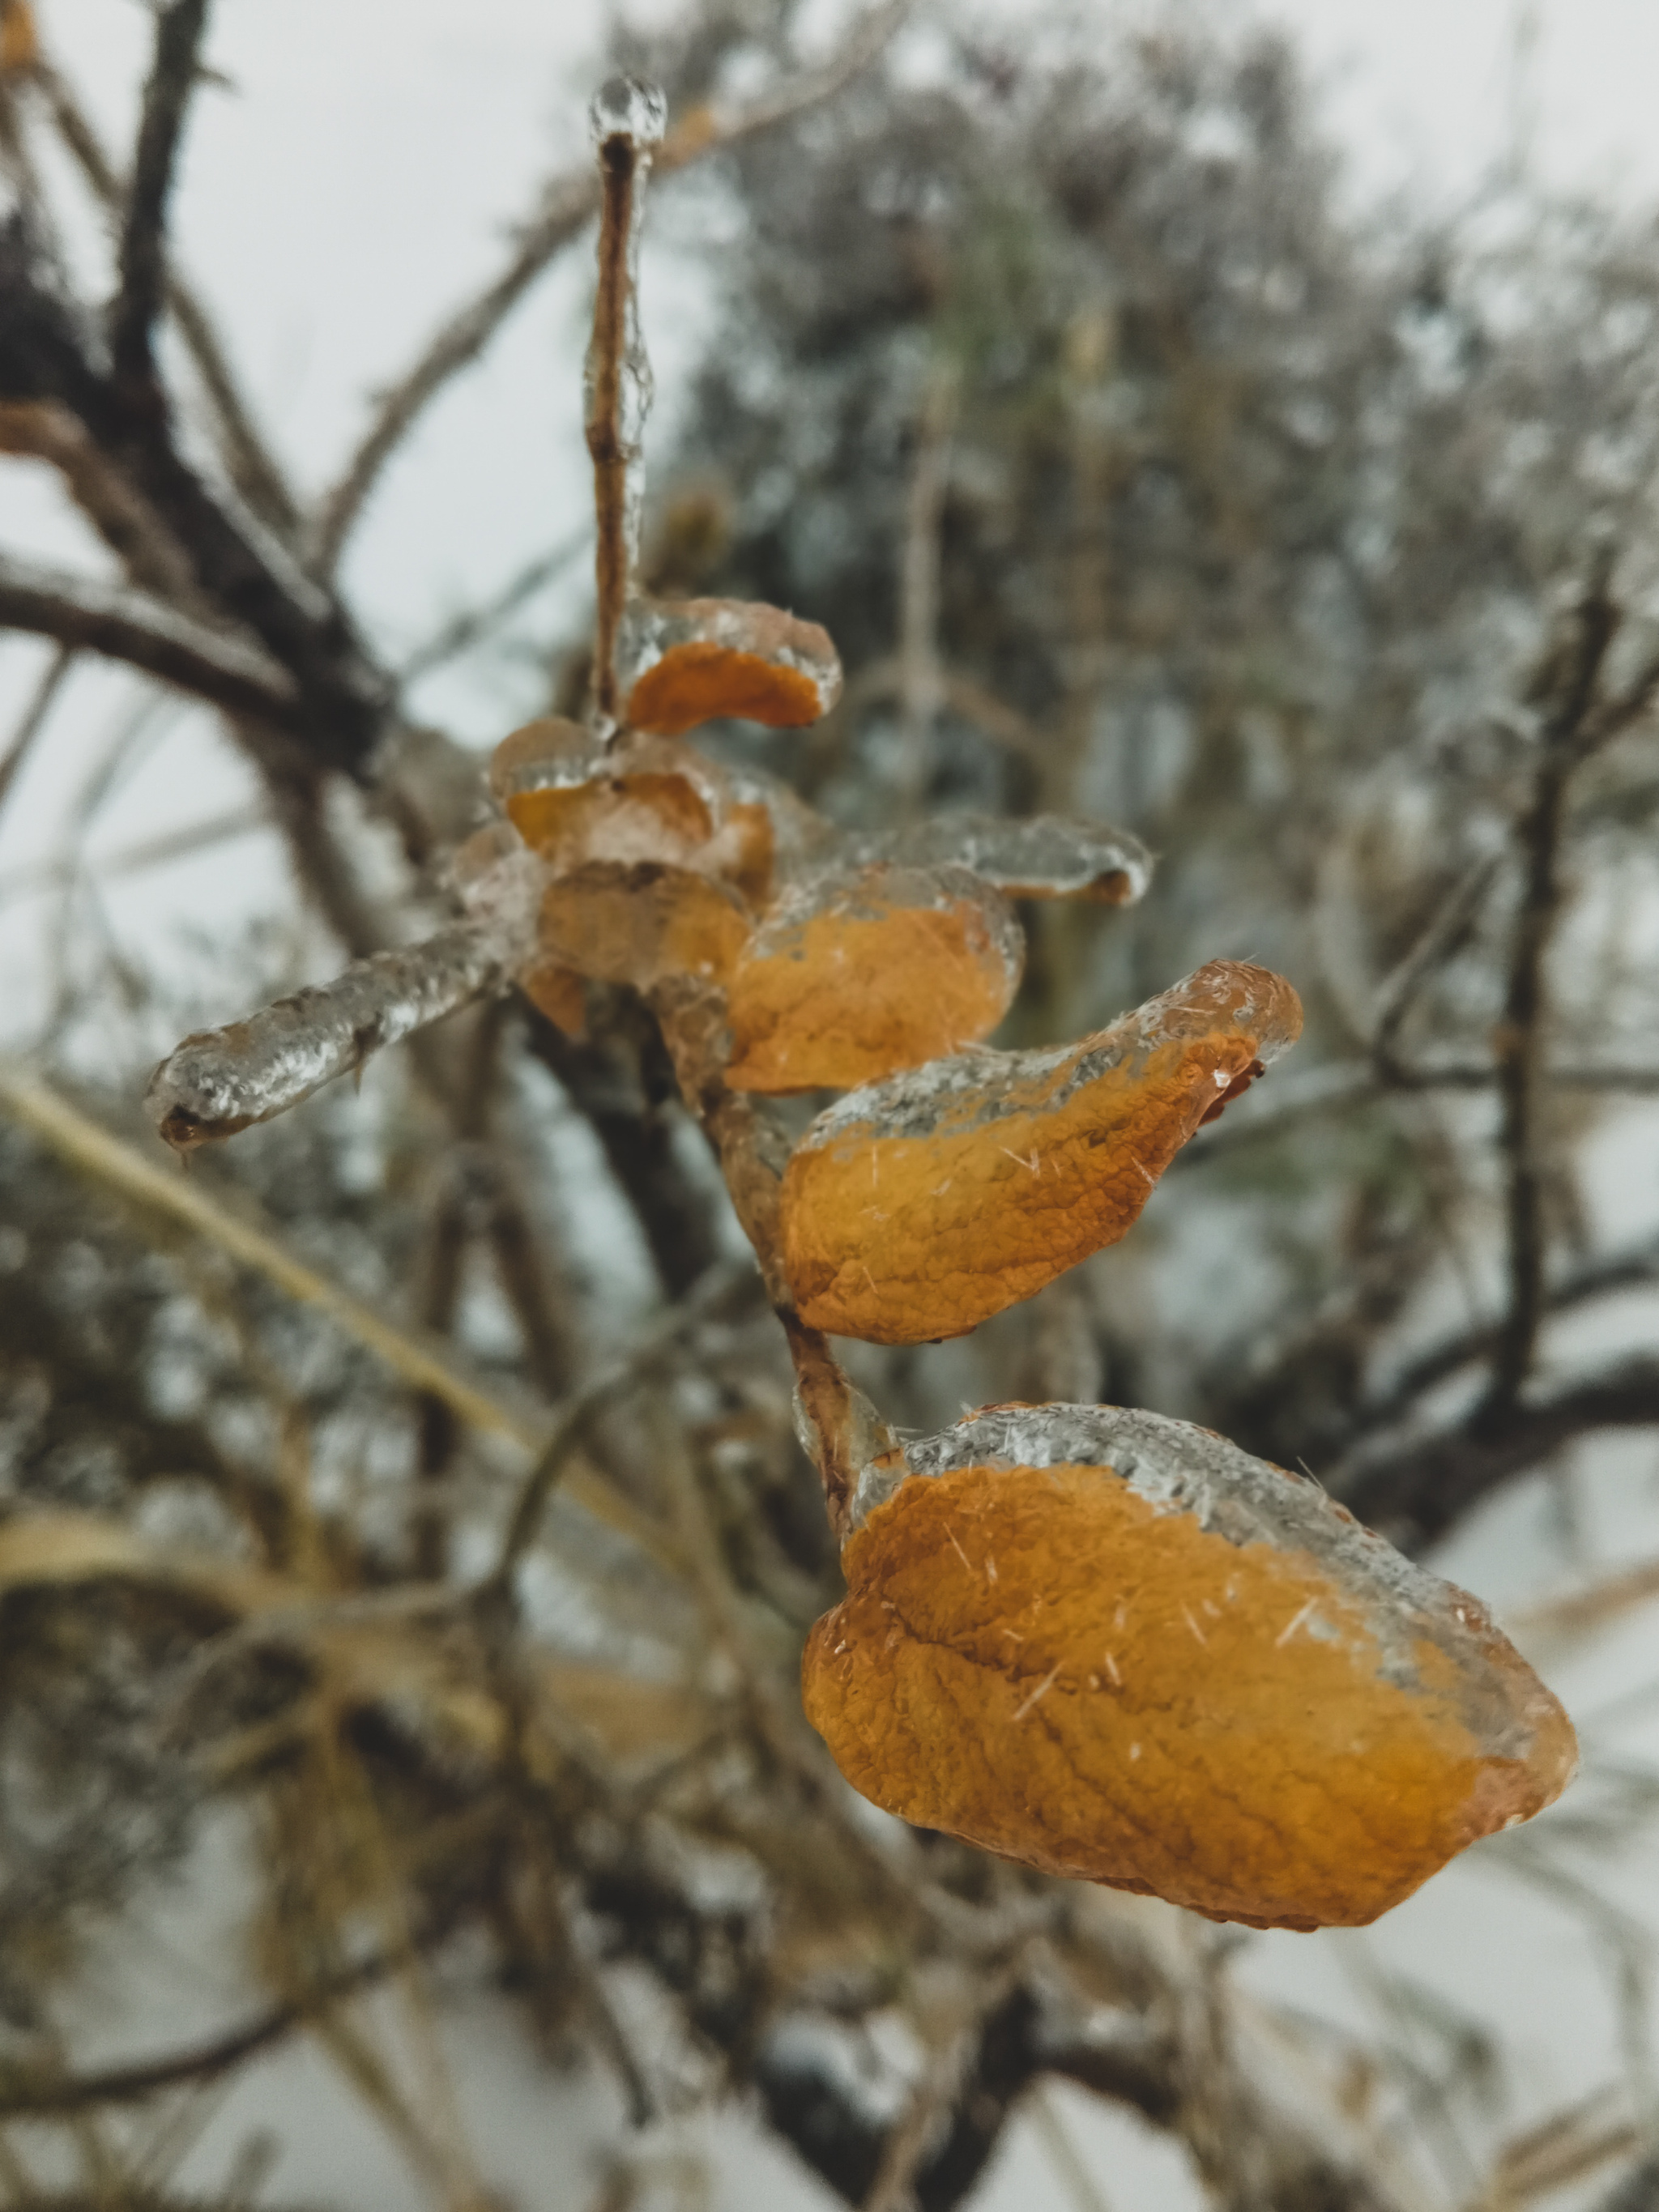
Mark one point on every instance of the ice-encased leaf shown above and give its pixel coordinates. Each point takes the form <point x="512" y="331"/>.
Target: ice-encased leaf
<point x="573" y="799"/>
<point x="686" y="661"/>
<point x="855" y="973"/>
<point x="1114" y="1646"/>
<point x="640" y="924"/>
<point x="916" y="1208"/>
<point x="1044" y="856"/>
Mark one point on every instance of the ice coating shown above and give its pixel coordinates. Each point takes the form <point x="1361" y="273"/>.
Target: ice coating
<point x="628" y="107"/>
<point x="1042" y="857"/>
<point x="1114" y="1646"/>
<point x="686" y="661"/>
<point x="574" y="799"/>
<point x="915" y="1208"/>
<point x="640" y="924"/>
<point x="627" y="117"/>
<point x="221" y="1081"/>
<point x="856" y="972"/>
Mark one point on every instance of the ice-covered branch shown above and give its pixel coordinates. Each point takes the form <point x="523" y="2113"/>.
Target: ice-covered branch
<point x="221" y="1081"/>
<point x="627" y="120"/>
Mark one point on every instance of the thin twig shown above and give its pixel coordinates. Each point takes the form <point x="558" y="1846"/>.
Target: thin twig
<point x="921" y="687"/>
<point x="133" y="859"/>
<point x="1441" y="938"/>
<point x="599" y="1391"/>
<point x="142" y="257"/>
<point x="566" y="206"/>
<point x="1520" y="1038"/>
<point x="34" y="719"/>
<point x="466" y="630"/>
<point x="26" y="2093"/>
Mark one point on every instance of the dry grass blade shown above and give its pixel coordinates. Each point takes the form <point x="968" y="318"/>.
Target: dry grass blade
<point x="92" y="1151"/>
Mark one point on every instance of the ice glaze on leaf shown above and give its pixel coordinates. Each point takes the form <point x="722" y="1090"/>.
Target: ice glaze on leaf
<point x="641" y="925"/>
<point x="854" y="974"/>
<point x="1044" y="857"/>
<point x="572" y="800"/>
<point x="916" y="1208"/>
<point x="1114" y="1646"/>
<point x="686" y="661"/>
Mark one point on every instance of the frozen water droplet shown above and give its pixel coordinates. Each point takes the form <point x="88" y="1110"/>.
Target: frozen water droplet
<point x="627" y="107"/>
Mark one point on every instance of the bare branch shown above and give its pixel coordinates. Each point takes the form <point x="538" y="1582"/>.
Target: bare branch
<point x="143" y="255"/>
<point x="921" y="683"/>
<point x="1630" y="1269"/>
<point x="248" y="459"/>
<point x="566" y="204"/>
<point x="131" y="627"/>
<point x="1414" y="1489"/>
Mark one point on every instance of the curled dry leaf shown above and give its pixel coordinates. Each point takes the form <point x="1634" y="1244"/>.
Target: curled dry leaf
<point x="1044" y="857"/>
<point x="1114" y="1646"/>
<point x="916" y="1208"/>
<point x="854" y="974"/>
<point x="687" y="661"/>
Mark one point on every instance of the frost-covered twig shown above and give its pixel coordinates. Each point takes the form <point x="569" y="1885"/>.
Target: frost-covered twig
<point x="221" y="1081"/>
<point x="627" y="120"/>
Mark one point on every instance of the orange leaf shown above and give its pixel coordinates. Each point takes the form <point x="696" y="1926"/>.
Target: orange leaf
<point x="1044" y="857"/>
<point x="641" y="925"/>
<point x="853" y="975"/>
<point x="572" y="799"/>
<point x="1114" y="1646"/>
<point x="915" y="1209"/>
<point x="693" y="660"/>
<point x="556" y="992"/>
